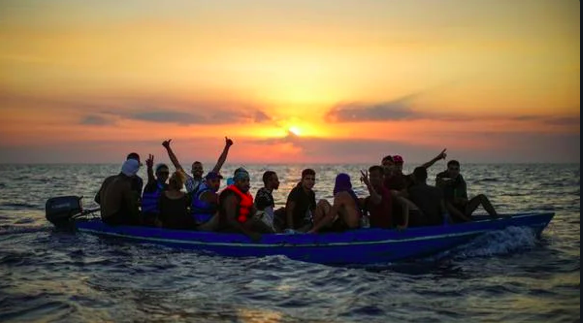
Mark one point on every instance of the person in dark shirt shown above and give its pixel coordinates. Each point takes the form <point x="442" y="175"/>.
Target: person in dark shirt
<point x="173" y="204"/>
<point x="398" y="183"/>
<point x="429" y="199"/>
<point x="264" y="197"/>
<point x="136" y="181"/>
<point x="301" y="203"/>
<point x="456" y="196"/>
<point x="264" y="201"/>
<point x="379" y="203"/>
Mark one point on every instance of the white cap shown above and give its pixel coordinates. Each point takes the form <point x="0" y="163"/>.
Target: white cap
<point x="130" y="167"/>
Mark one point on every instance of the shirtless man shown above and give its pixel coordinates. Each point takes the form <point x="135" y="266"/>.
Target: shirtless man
<point x="428" y="198"/>
<point x="344" y="214"/>
<point x="118" y="201"/>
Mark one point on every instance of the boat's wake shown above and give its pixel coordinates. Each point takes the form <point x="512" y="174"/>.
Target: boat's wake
<point x="509" y="240"/>
<point x="495" y="243"/>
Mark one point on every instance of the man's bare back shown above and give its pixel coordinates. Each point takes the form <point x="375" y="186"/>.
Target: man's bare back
<point x="347" y="210"/>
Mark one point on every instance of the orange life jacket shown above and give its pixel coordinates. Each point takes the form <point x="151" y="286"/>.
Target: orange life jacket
<point x="245" y="205"/>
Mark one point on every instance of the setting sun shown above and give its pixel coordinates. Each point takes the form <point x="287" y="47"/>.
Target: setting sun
<point x="295" y="130"/>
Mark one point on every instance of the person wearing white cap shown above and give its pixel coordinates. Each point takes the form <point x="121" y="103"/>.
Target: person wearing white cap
<point x="119" y="203"/>
<point x="137" y="181"/>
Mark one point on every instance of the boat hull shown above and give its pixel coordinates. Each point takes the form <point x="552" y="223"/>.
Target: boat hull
<point x="363" y="246"/>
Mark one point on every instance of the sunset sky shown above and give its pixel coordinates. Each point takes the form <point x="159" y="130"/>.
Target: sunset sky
<point x="319" y="81"/>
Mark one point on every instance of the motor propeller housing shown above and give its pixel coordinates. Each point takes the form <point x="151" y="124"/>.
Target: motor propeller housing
<point x="60" y="210"/>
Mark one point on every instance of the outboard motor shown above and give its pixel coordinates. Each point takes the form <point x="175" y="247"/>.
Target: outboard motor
<point x="60" y="210"/>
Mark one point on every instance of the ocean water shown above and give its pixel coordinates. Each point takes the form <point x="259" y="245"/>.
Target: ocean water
<point x="507" y="276"/>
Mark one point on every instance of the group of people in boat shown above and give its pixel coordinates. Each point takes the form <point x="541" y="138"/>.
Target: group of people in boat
<point x="193" y="202"/>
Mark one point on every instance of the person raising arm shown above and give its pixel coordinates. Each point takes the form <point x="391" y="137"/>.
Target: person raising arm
<point x="442" y="155"/>
<point x="193" y="182"/>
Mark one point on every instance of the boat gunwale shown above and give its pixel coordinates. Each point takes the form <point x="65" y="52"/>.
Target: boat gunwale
<point x="309" y="244"/>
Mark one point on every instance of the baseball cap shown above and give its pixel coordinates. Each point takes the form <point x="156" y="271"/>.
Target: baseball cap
<point x="398" y="159"/>
<point x="240" y="173"/>
<point x="161" y="166"/>
<point x="388" y="158"/>
<point x="213" y="175"/>
<point x="134" y="156"/>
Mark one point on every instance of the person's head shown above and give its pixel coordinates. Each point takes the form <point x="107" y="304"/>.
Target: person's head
<point x="197" y="169"/>
<point x="398" y="160"/>
<point x="130" y="167"/>
<point x="388" y="164"/>
<point x="242" y="180"/>
<point x="453" y="168"/>
<point x="133" y="156"/>
<point x="376" y="175"/>
<point x="213" y="180"/>
<point x="162" y="173"/>
<point x="270" y="180"/>
<point x="176" y="181"/>
<point x="342" y="183"/>
<point x="420" y="175"/>
<point x="308" y="178"/>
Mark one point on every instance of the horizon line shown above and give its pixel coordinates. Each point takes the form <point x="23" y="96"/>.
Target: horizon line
<point x="316" y="163"/>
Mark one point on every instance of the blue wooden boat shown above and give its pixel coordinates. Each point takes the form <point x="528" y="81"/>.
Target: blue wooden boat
<point x="362" y="246"/>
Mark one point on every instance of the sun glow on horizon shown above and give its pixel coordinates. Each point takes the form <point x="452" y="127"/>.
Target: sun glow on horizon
<point x="303" y="81"/>
<point x="295" y="130"/>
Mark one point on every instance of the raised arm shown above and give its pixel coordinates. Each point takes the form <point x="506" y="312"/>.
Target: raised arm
<point x="223" y="156"/>
<point x="150" y="164"/>
<point x="441" y="155"/>
<point x="172" y="156"/>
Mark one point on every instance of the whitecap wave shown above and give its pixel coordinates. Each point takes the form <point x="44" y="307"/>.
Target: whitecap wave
<point x="501" y="242"/>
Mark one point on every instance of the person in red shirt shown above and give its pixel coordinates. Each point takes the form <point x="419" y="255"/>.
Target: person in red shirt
<point x="379" y="204"/>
